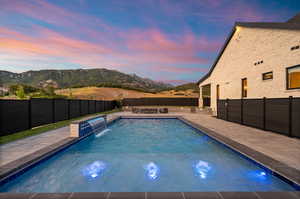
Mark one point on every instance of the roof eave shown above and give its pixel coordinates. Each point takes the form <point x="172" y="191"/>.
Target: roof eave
<point x="289" y="26"/>
<point x="270" y="25"/>
<point x="219" y="55"/>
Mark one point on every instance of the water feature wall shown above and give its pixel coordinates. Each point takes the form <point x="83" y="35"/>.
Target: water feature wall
<point x="84" y="127"/>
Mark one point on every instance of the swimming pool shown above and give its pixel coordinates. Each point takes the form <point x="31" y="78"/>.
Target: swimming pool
<point x="153" y="155"/>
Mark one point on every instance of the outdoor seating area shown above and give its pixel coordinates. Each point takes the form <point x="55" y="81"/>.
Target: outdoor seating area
<point x="150" y="110"/>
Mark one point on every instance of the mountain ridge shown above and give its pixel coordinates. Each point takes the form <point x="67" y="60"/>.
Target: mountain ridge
<point x="81" y="78"/>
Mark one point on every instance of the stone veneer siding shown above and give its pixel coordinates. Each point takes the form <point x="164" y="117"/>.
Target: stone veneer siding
<point x="246" y="47"/>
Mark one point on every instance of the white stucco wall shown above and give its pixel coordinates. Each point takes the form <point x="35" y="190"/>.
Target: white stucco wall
<point x="248" y="46"/>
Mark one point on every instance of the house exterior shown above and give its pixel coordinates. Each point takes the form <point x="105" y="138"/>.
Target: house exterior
<point x="257" y="60"/>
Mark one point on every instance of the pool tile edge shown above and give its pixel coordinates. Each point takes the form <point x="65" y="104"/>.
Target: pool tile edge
<point x="154" y="195"/>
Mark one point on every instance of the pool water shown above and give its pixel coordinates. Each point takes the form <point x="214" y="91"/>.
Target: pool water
<point x="139" y="155"/>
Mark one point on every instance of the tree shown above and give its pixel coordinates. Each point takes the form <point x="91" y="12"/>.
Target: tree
<point x="30" y="89"/>
<point x="50" y="90"/>
<point x="20" y="92"/>
<point x="13" y="89"/>
<point x="26" y="88"/>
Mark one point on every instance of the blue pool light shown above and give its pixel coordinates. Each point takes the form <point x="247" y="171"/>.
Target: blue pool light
<point x="262" y="173"/>
<point x="260" y="176"/>
<point x="152" y="171"/>
<point x="202" y="168"/>
<point x="94" y="175"/>
<point x="94" y="170"/>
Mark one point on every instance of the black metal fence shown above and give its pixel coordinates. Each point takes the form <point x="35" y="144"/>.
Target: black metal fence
<point x="19" y="115"/>
<point x="281" y="115"/>
<point x="160" y="102"/>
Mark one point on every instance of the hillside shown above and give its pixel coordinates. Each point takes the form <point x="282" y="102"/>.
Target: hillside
<point x="188" y="86"/>
<point x="81" y="78"/>
<point x="96" y="93"/>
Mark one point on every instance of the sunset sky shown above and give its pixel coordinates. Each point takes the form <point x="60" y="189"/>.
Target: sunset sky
<point x="174" y="41"/>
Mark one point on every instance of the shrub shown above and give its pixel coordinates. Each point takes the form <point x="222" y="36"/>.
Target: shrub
<point x="20" y="92"/>
<point x="118" y="103"/>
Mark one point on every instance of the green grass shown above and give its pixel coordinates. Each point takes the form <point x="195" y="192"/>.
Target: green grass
<point x="41" y="129"/>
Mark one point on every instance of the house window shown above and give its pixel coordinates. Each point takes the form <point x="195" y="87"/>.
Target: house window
<point x="293" y="77"/>
<point x="244" y="87"/>
<point x="268" y="75"/>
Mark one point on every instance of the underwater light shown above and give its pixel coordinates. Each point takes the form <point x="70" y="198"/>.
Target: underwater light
<point x="259" y="175"/>
<point x="262" y="174"/>
<point x="94" y="170"/>
<point x="152" y="170"/>
<point x="94" y="175"/>
<point x="202" y="168"/>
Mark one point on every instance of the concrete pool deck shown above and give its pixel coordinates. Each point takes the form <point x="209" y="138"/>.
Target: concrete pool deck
<point x="281" y="148"/>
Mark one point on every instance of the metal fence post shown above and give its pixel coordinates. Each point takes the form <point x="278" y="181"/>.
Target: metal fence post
<point x="264" y="113"/>
<point x="80" y="112"/>
<point x="69" y="117"/>
<point x="29" y="113"/>
<point x="53" y="110"/>
<point x="227" y="104"/>
<point x="217" y="108"/>
<point x="1" y="116"/>
<point x="290" y="115"/>
<point x="242" y="111"/>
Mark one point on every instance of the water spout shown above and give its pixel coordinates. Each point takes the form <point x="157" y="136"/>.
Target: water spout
<point x="102" y="133"/>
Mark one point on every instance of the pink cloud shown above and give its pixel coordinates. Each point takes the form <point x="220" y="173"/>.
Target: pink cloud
<point x="48" y="43"/>
<point x="53" y="14"/>
<point x="143" y="45"/>
<point x="155" y="41"/>
<point x="109" y="46"/>
<point x="180" y="69"/>
<point x="38" y="10"/>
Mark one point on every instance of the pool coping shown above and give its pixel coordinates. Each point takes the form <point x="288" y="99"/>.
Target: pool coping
<point x="154" y="195"/>
<point x="285" y="172"/>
